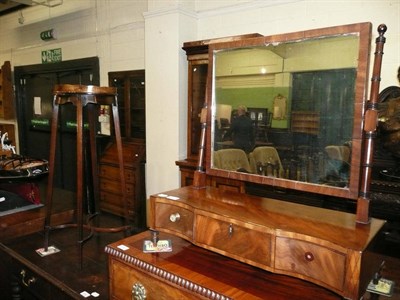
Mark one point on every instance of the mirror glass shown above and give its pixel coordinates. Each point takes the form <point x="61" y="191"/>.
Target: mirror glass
<point x="286" y="110"/>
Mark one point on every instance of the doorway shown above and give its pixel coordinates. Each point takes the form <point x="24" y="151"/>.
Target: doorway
<point x="34" y="85"/>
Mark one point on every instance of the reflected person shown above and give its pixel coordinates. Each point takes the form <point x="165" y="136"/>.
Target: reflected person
<point x="242" y="130"/>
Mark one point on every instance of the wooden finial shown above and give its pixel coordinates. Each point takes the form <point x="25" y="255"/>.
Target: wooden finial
<point x="382" y="29"/>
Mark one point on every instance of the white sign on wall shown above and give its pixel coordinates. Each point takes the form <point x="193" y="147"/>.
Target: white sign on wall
<point x="51" y="56"/>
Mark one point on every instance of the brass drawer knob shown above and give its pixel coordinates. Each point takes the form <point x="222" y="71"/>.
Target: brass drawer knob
<point x="138" y="291"/>
<point x="174" y="217"/>
<point x="26" y="282"/>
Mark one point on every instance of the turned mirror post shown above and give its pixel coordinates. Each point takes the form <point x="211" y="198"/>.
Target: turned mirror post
<point x="370" y="126"/>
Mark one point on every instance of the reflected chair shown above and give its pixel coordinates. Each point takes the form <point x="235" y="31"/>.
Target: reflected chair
<point x="338" y="162"/>
<point x="265" y="155"/>
<point x="340" y="153"/>
<point x="231" y="160"/>
<point x="224" y="123"/>
<point x="224" y="129"/>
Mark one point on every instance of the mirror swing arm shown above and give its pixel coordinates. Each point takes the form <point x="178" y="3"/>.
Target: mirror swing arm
<point x="370" y="126"/>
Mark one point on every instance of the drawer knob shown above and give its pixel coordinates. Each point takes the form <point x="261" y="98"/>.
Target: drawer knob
<point x="309" y="256"/>
<point x="26" y="282"/>
<point x="230" y="230"/>
<point x="138" y="291"/>
<point x="174" y="217"/>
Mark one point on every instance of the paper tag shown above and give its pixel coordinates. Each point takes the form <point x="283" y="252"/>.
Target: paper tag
<point x="162" y="246"/>
<point x="383" y="287"/>
<point x="123" y="247"/>
<point x="85" y="294"/>
<point x="50" y="250"/>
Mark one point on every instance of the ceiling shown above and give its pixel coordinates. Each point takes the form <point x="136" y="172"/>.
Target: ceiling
<point x="8" y="6"/>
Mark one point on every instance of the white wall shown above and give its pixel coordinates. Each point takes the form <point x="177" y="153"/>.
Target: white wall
<point x="166" y="95"/>
<point x="113" y="30"/>
<point x="137" y="34"/>
<point x="269" y="17"/>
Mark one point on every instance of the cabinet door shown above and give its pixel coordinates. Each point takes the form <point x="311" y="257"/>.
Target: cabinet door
<point x="131" y="102"/>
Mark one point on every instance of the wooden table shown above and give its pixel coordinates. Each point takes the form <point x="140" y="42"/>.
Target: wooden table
<point x="190" y="272"/>
<point x="57" y="276"/>
<point x="60" y="275"/>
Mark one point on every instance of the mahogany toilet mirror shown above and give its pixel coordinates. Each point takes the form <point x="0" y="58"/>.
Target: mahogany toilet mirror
<point x="323" y="76"/>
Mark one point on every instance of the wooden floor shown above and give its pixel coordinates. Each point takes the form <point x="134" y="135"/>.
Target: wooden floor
<point x="64" y="272"/>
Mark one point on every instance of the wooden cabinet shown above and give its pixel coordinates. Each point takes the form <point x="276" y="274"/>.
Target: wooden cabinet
<point x="131" y="102"/>
<point x="305" y="122"/>
<point x="191" y="272"/>
<point x="110" y="186"/>
<point x="7" y="109"/>
<point x="131" y="107"/>
<point x="322" y="246"/>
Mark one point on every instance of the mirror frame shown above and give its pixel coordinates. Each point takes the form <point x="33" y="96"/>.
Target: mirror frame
<point x="361" y="84"/>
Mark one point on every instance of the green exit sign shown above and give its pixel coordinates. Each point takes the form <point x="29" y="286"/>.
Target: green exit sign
<point x="51" y="56"/>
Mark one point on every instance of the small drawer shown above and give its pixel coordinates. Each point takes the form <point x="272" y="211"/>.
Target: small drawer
<point x="114" y="186"/>
<point x="310" y="261"/>
<point x="134" y="154"/>
<point x="111" y="172"/>
<point x="32" y="284"/>
<point x="127" y="282"/>
<point x="174" y="219"/>
<point x="251" y="245"/>
<point x="113" y="204"/>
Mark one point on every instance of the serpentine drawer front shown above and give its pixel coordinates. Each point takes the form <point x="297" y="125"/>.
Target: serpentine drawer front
<point x="175" y="219"/>
<point x="250" y="244"/>
<point x="189" y="272"/>
<point x="322" y="246"/>
<point x="317" y="263"/>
